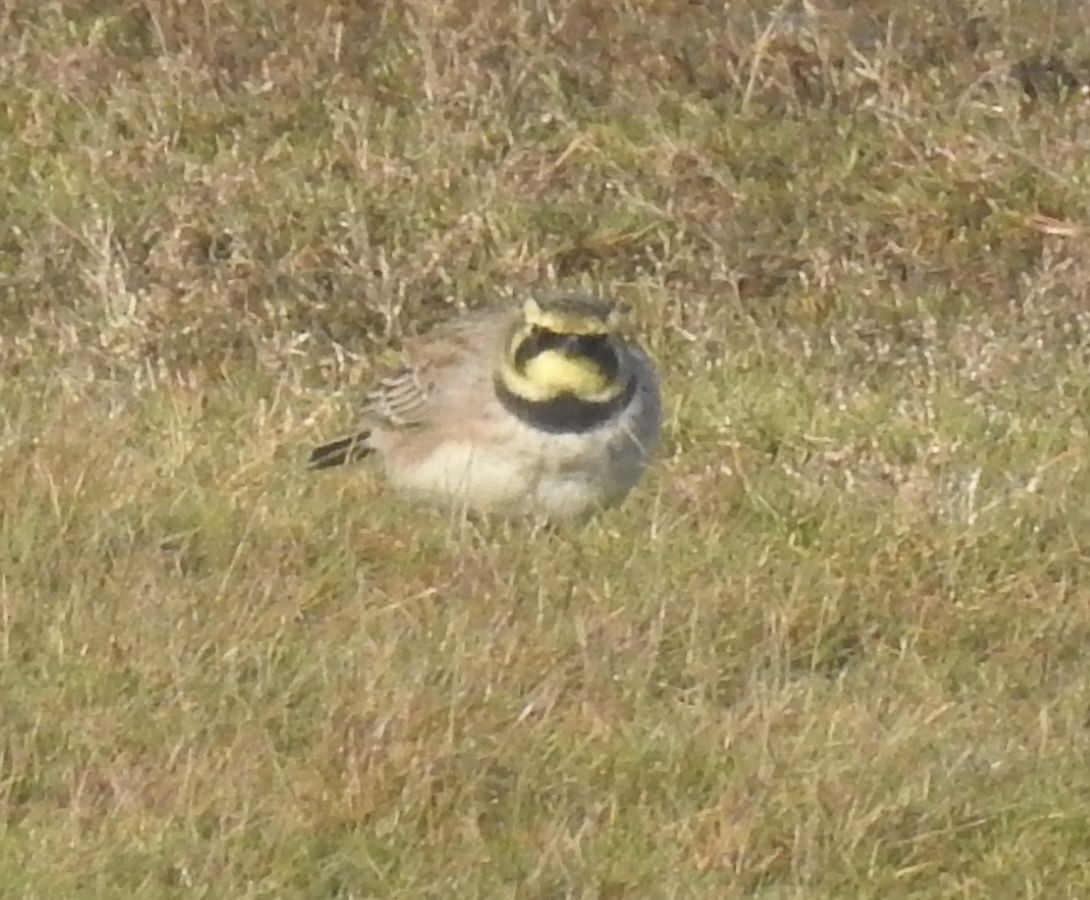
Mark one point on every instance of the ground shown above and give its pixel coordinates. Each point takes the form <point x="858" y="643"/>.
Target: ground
<point x="833" y="646"/>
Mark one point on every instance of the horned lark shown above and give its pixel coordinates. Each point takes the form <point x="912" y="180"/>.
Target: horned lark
<point x="539" y="408"/>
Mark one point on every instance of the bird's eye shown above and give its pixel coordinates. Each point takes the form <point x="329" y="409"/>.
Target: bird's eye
<point x="544" y="338"/>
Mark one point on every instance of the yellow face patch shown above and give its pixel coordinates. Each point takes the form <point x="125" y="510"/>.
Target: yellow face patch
<point x="557" y="373"/>
<point x="552" y="374"/>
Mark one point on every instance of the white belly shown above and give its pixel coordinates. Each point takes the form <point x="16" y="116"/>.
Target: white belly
<point x="557" y="477"/>
<point x="466" y="472"/>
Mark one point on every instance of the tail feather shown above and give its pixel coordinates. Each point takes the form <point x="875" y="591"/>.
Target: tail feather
<point x="337" y="453"/>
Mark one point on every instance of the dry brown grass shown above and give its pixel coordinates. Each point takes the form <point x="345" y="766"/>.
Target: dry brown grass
<point x="835" y="645"/>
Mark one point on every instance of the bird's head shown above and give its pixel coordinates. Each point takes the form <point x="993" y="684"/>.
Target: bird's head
<point x="563" y="345"/>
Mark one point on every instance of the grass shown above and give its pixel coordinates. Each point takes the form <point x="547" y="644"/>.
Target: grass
<point x="834" y="645"/>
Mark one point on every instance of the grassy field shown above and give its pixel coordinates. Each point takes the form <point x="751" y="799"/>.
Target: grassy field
<point x="835" y="645"/>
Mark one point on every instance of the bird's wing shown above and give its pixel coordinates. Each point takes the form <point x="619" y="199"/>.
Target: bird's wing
<point x="438" y="365"/>
<point x="400" y="398"/>
<point x="403" y="397"/>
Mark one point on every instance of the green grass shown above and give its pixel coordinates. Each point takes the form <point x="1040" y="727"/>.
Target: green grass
<point x="833" y="646"/>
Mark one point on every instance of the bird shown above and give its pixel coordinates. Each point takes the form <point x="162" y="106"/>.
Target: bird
<point x="539" y="407"/>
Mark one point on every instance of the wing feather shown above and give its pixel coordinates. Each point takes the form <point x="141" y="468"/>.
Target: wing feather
<point x="400" y="399"/>
<point x="404" y="397"/>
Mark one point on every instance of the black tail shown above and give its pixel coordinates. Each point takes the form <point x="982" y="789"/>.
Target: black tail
<point x="339" y="452"/>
